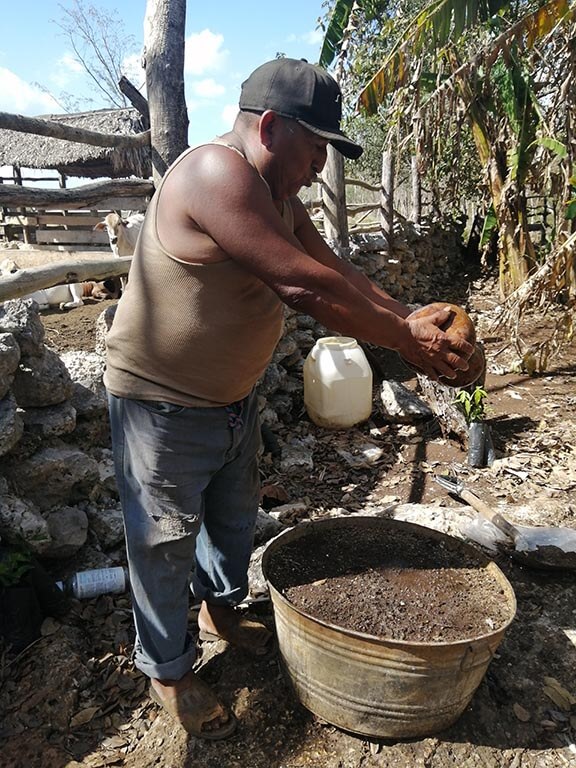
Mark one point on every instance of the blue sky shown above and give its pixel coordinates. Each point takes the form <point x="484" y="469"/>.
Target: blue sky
<point x="225" y="41"/>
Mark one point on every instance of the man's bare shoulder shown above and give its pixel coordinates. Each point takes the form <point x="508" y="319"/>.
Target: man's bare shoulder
<point x="210" y="159"/>
<point x="207" y="172"/>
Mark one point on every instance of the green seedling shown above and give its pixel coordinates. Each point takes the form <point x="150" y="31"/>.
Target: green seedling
<point x="12" y="567"/>
<point x="472" y="404"/>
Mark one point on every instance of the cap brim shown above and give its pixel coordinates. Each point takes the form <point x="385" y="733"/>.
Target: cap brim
<point x="339" y="141"/>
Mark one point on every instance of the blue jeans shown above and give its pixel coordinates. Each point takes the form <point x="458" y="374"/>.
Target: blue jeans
<point x="189" y="487"/>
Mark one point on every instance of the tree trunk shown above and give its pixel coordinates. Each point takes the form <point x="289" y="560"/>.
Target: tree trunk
<point x="334" y="199"/>
<point x="516" y="251"/>
<point x="440" y="399"/>
<point x="164" y="64"/>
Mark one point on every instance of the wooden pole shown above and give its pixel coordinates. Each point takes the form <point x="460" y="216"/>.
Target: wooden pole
<point x="334" y="199"/>
<point x="78" y="197"/>
<point x="70" y="133"/>
<point x="416" y="215"/>
<point x="17" y="175"/>
<point x="387" y="198"/>
<point x="136" y="99"/>
<point x="27" y="281"/>
<point x="164" y="64"/>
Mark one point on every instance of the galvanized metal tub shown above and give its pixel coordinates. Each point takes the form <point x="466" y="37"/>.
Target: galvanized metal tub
<point x="370" y="685"/>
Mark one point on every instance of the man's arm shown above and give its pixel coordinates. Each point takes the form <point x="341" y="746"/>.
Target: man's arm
<point x="216" y="190"/>
<point x="316" y="246"/>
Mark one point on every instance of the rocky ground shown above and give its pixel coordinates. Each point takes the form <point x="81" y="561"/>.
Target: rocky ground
<point x="74" y="698"/>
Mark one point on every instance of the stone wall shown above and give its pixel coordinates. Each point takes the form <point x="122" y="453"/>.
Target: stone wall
<point x="56" y="468"/>
<point x="421" y="261"/>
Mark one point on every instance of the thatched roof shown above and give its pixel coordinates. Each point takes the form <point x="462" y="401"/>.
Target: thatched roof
<point x="27" y="150"/>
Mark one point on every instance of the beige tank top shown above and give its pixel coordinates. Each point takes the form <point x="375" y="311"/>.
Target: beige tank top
<point x="191" y="334"/>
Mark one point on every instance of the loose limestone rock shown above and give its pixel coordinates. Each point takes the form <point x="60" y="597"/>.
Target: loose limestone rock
<point x="86" y="370"/>
<point x="20" y="317"/>
<point x="107" y="524"/>
<point x="42" y="380"/>
<point x="402" y="406"/>
<point x="68" y="528"/>
<point x="51" y="420"/>
<point x="103" y="325"/>
<point x="11" y="424"/>
<point x="23" y="519"/>
<point x="266" y="527"/>
<point x="9" y="359"/>
<point x="55" y="476"/>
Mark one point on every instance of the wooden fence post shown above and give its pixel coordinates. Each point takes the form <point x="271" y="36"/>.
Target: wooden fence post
<point x="164" y="65"/>
<point x="387" y="198"/>
<point x="334" y="199"/>
<point x="416" y="215"/>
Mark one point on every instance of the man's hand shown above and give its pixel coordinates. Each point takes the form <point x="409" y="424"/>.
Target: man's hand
<point x="431" y="350"/>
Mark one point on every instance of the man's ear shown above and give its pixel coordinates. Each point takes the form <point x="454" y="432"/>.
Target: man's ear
<point x="268" y="126"/>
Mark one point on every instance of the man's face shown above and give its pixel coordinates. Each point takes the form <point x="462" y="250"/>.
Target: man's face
<point x="301" y="157"/>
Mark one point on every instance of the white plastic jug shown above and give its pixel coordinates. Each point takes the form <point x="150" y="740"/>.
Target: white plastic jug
<point x="337" y="383"/>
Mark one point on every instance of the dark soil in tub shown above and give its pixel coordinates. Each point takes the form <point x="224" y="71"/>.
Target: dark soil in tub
<point x="396" y="585"/>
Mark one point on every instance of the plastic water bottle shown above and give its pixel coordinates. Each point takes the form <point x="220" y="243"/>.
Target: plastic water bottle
<point x="99" y="581"/>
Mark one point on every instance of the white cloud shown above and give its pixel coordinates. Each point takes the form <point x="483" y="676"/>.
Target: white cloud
<point x="192" y="105"/>
<point x="228" y="115"/>
<point x="17" y="96"/>
<point x="67" y="70"/>
<point x="133" y="70"/>
<point x="204" y="53"/>
<point x="314" y="38"/>
<point x="207" y="88"/>
<point x="69" y="62"/>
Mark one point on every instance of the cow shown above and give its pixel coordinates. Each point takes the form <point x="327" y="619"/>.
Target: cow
<point x="64" y="296"/>
<point x="122" y="234"/>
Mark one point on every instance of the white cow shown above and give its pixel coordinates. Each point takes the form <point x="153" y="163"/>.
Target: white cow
<point x="63" y="296"/>
<point x="122" y="233"/>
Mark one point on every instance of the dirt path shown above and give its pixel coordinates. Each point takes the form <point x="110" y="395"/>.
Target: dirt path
<point x="75" y="699"/>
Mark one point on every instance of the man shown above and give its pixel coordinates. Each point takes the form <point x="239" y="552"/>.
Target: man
<point x="226" y="242"/>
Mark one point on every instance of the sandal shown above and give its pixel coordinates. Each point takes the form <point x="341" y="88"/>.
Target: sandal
<point x="250" y="636"/>
<point x="195" y="708"/>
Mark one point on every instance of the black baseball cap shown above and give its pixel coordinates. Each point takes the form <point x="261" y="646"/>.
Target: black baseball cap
<point x="304" y="92"/>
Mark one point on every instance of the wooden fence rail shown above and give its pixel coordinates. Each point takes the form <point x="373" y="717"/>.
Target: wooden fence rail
<point x="354" y="209"/>
<point x="27" y="281"/>
<point x="85" y="196"/>
<point x="70" y="133"/>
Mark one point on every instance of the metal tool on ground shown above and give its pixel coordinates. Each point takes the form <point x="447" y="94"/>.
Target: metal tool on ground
<point x="535" y="546"/>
